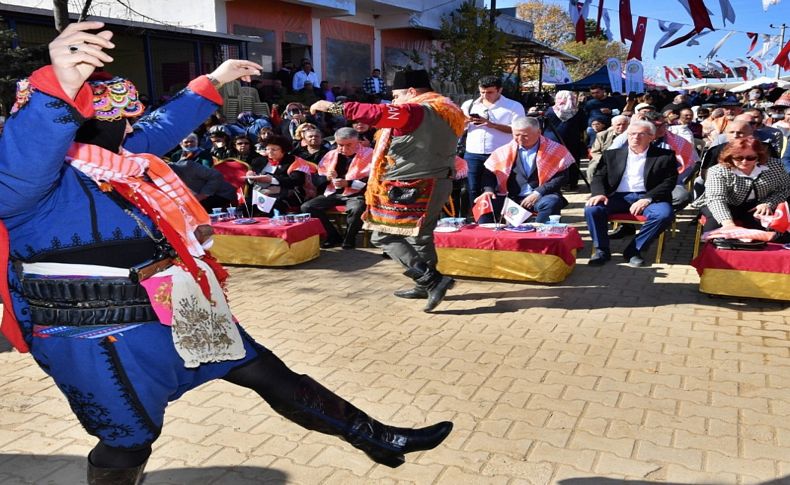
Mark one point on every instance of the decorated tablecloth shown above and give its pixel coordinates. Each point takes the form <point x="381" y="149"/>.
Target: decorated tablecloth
<point x="266" y="244"/>
<point x="486" y="253"/>
<point x="755" y="274"/>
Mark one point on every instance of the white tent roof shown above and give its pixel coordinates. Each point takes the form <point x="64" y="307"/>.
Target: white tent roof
<point x="758" y="81"/>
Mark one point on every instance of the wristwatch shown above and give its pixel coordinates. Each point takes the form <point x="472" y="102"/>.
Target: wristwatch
<point x="214" y="81"/>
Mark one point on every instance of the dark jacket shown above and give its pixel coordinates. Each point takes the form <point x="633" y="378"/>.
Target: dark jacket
<point x="661" y="173"/>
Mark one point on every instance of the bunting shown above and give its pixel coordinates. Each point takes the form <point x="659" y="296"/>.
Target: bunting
<point x="668" y="72"/>
<point x="727" y="12"/>
<point x="578" y="12"/>
<point x="699" y="13"/>
<point x="769" y="43"/>
<point x="626" y="28"/>
<point x="727" y="71"/>
<point x="757" y="63"/>
<point x="680" y="40"/>
<point x="669" y="29"/>
<point x="719" y="44"/>
<point x="783" y="59"/>
<point x="696" y="71"/>
<point x="753" y="36"/>
<point x="694" y="39"/>
<point x="600" y="14"/>
<point x="607" y="25"/>
<point x="639" y="39"/>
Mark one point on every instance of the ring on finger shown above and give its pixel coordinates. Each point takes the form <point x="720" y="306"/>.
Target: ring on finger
<point x="74" y="49"/>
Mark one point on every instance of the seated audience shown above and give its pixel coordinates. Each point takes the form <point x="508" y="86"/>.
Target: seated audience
<point x="208" y="185"/>
<point x="220" y="142"/>
<point x="189" y="150"/>
<point x="344" y="171"/>
<point x="313" y="147"/>
<point x="283" y="176"/>
<point x="745" y="183"/>
<point x="637" y="178"/>
<point x="242" y="150"/>
<point x="531" y="170"/>
<point x="603" y="140"/>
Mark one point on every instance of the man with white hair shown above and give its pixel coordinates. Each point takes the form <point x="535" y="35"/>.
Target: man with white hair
<point x="345" y="171"/>
<point x="604" y="139"/>
<point x="639" y="179"/>
<point x="531" y="170"/>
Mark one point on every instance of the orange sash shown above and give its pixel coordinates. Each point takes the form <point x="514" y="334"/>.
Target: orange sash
<point x="551" y="159"/>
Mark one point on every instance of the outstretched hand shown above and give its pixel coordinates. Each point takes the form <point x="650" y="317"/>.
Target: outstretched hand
<point x="75" y="54"/>
<point x="233" y="69"/>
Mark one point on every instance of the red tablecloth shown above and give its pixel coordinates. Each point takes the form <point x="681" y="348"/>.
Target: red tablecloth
<point x="476" y="237"/>
<point x="290" y="233"/>
<point x="773" y="259"/>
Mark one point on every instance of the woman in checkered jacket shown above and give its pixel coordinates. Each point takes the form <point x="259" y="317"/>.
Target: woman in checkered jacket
<point x="745" y="183"/>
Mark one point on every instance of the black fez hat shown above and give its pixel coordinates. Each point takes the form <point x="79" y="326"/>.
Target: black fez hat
<point x="412" y="79"/>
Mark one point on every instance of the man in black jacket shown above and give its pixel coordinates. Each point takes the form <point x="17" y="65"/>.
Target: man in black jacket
<point x="638" y="179"/>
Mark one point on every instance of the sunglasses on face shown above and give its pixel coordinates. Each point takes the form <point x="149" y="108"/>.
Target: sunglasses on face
<point x="749" y="158"/>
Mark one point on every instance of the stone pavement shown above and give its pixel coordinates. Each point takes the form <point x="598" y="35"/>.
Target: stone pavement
<point x="617" y="375"/>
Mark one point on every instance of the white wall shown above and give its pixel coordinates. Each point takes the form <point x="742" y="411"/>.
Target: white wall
<point x="191" y="14"/>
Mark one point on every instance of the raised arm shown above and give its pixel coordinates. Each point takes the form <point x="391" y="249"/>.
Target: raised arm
<point x="162" y="129"/>
<point x="51" y="104"/>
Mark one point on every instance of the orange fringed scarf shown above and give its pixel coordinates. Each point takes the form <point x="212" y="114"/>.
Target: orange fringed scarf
<point x="443" y="106"/>
<point x="165" y="199"/>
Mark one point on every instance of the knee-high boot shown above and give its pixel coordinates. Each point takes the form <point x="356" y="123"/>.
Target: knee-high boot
<point x="430" y="283"/>
<point x="114" y="476"/>
<point x="319" y="409"/>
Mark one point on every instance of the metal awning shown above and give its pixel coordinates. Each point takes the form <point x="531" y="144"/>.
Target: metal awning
<point x="535" y="49"/>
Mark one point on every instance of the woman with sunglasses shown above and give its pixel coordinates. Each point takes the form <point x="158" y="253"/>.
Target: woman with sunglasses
<point x="745" y="183"/>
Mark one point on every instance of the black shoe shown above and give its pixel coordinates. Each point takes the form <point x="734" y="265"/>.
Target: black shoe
<point x="330" y="243"/>
<point x="416" y="293"/>
<point x="633" y="256"/>
<point x="433" y="281"/>
<point x="599" y="258"/>
<point x="348" y="245"/>
<point x="114" y="476"/>
<point x="623" y="230"/>
<point x="437" y="292"/>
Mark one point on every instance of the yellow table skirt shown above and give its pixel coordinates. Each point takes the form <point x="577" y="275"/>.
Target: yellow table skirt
<point x="752" y="284"/>
<point x="264" y="251"/>
<point x="503" y="265"/>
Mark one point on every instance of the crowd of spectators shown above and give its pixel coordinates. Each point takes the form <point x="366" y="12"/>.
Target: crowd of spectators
<point x="287" y="154"/>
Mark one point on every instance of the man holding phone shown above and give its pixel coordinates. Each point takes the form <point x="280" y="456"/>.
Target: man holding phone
<point x="489" y="119"/>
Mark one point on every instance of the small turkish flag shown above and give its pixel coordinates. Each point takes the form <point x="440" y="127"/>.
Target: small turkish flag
<point x="482" y="206"/>
<point x="780" y="221"/>
<point x="240" y="196"/>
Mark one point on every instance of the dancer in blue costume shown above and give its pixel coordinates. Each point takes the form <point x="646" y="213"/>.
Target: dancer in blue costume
<point x="119" y="343"/>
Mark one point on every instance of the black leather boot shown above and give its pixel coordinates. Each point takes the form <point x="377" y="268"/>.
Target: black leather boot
<point x="416" y="293"/>
<point x="319" y="409"/>
<point x="433" y="281"/>
<point x="114" y="476"/>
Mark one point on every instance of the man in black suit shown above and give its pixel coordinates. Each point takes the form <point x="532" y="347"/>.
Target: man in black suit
<point x="639" y="179"/>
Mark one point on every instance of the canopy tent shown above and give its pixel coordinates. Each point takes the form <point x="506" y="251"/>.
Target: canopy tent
<point x="759" y="81"/>
<point x="601" y="77"/>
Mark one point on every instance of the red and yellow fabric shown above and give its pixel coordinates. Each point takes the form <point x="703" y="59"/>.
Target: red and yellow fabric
<point x="753" y="274"/>
<point x="551" y="158"/>
<point x="484" y="253"/>
<point x="264" y="244"/>
<point x="684" y="151"/>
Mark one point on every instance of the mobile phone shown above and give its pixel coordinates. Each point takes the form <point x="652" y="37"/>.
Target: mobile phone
<point x="475" y="115"/>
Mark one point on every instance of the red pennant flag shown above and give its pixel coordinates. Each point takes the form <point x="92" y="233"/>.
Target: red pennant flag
<point x="669" y="73"/>
<point x="240" y="196"/>
<point x="726" y="68"/>
<point x="626" y="28"/>
<point x="754" y="36"/>
<point x="600" y="14"/>
<point x="700" y="15"/>
<point x="780" y="221"/>
<point x="679" y="40"/>
<point x="783" y="59"/>
<point x="639" y="39"/>
<point x="696" y="71"/>
<point x="581" y="34"/>
<point x="757" y="63"/>
<point x="482" y="206"/>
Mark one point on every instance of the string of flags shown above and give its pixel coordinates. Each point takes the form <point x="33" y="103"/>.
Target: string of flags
<point x="672" y="34"/>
